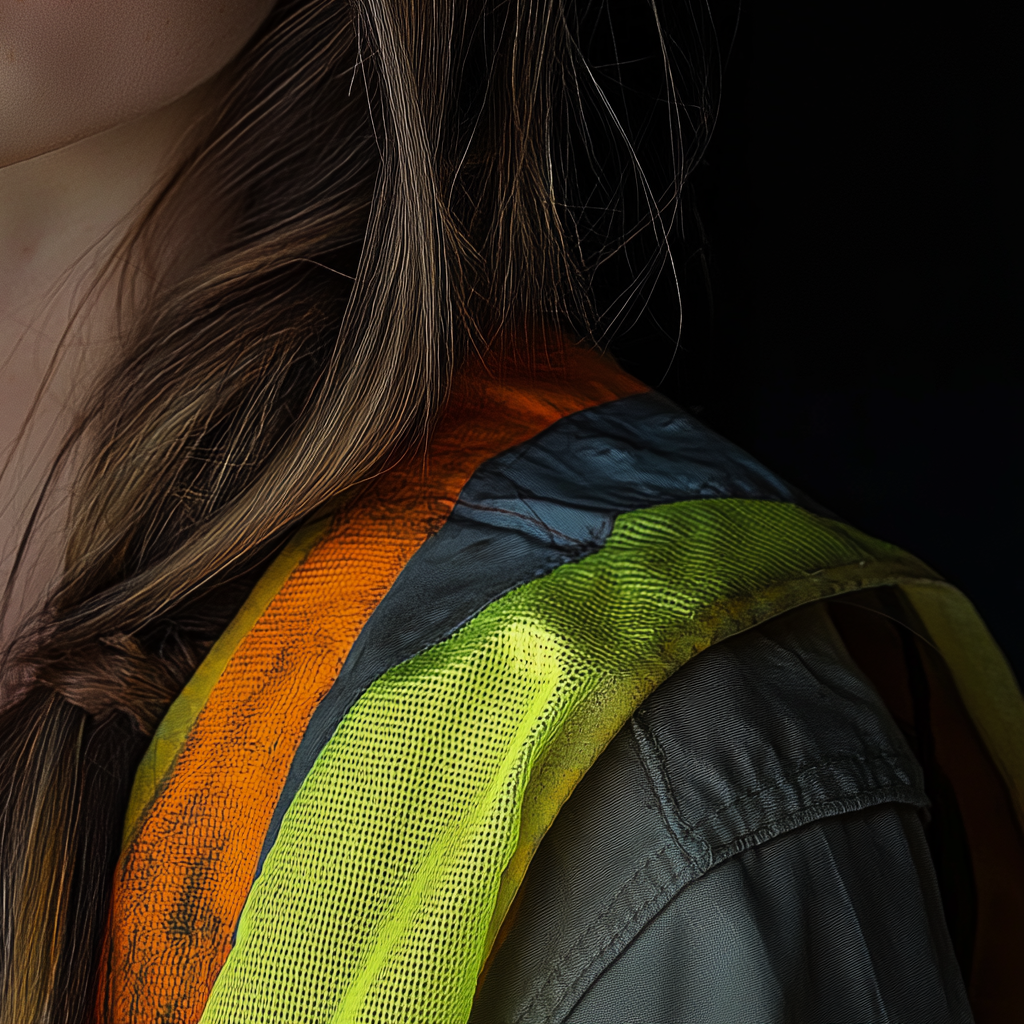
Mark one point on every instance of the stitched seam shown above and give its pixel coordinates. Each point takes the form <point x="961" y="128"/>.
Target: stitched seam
<point x="877" y="797"/>
<point x="539" y="523"/>
<point x="640" y="913"/>
<point x="863" y="801"/>
<point x="791" y="780"/>
<point x="580" y="942"/>
<point x="665" y="795"/>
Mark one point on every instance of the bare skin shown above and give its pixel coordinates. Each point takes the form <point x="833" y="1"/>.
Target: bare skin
<point x="60" y="215"/>
<point x="96" y="97"/>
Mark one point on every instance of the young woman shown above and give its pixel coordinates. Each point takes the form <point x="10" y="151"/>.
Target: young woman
<point x="376" y="650"/>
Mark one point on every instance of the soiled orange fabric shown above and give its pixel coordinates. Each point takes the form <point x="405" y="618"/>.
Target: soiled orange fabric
<point x="183" y="880"/>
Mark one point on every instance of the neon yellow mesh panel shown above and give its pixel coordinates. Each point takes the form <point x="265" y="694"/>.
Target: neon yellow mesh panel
<point x="410" y="835"/>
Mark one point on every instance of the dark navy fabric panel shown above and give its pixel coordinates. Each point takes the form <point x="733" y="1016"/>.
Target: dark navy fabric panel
<point x="542" y="504"/>
<point x="550" y="501"/>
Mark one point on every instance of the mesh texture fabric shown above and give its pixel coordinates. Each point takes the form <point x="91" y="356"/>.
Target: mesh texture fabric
<point x="206" y="793"/>
<point x="405" y="844"/>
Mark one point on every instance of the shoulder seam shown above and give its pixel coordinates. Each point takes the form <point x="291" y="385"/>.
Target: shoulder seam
<point x="898" y="787"/>
<point x="575" y="983"/>
<point x="693" y="847"/>
<point x="876" y="757"/>
<point x="573" y="989"/>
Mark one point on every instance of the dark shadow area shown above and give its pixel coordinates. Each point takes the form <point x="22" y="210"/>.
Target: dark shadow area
<point x="851" y="277"/>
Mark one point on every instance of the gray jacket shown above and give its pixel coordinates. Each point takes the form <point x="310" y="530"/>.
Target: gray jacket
<point x="748" y="849"/>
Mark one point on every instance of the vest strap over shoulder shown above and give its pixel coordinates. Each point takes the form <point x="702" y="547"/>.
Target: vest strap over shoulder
<point x="438" y="728"/>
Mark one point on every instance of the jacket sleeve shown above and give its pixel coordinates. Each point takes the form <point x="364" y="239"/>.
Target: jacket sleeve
<point x="837" y="921"/>
<point x="748" y="849"/>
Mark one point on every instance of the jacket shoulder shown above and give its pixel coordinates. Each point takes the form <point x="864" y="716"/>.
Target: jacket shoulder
<point x="761" y="735"/>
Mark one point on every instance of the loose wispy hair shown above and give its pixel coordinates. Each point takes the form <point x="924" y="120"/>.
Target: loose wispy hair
<point x="394" y="183"/>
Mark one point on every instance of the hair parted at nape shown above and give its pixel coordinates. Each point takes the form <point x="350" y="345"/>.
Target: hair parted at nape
<point x="395" y="178"/>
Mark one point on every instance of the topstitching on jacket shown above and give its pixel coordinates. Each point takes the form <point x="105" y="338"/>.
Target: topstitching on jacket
<point x="765" y="771"/>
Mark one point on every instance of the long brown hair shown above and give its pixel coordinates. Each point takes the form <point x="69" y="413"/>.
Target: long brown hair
<point x="396" y="195"/>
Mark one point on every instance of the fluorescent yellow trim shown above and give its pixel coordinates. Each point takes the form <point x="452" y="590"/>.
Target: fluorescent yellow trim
<point x="982" y="675"/>
<point x="398" y="857"/>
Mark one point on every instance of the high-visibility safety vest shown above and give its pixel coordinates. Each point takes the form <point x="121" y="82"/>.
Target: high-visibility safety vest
<point x="336" y="813"/>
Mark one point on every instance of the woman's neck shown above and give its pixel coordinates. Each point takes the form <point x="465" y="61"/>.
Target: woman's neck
<point x="62" y="211"/>
<point x="62" y="214"/>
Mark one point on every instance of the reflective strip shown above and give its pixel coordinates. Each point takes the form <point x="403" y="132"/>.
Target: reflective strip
<point x="404" y="846"/>
<point x="982" y="676"/>
<point x="537" y="506"/>
<point x="183" y="878"/>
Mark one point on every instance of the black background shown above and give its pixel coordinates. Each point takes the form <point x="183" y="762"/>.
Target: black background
<point x="851" y="274"/>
